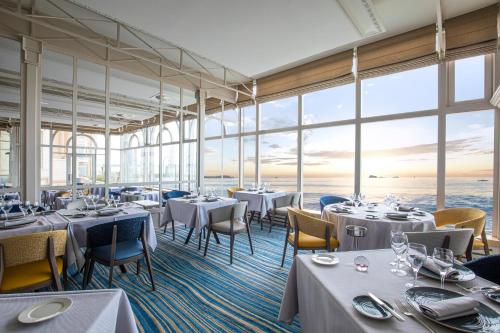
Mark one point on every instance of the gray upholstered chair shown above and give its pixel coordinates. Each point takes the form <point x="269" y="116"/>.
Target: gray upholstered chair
<point x="228" y="220"/>
<point x="281" y="205"/>
<point x="458" y="240"/>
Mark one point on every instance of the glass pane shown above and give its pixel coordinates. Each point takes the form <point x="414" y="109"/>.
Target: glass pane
<point x="469" y="161"/>
<point x="248" y="118"/>
<point x="213" y="125"/>
<point x="91" y="76"/>
<point x="279" y="114"/>
<point x="190" y="129"/>
<point x="328" y="164"/>
<point x="213" y="164"/>
<point x="171" y="95"/>
<point x="130" y="86"/>
<point x="10" y="56"/>
<point x="469" y="78"/>
<point x="170" y="128"/>
<point x="170" y="163"/>
<point x="190" y="162"/>
<point x="412" y="90"/>
<point x="57" y="67"/>
<point x="231" y="122"/>
<point x="337" y="103"/>
<point x="249" y="146"/>
<point x="230" y="163"/>
<point x="279" y="160"/>
<point x="403" y="161"/>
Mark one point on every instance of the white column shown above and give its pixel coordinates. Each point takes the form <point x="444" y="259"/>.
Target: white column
<point x="300" y="153"/>
<point x="200" y="152"/>
<point x="443" y="96"/>
<point x="31" y="118"/>
<point x="357" y="150"/>
<point x="496" y="155"/>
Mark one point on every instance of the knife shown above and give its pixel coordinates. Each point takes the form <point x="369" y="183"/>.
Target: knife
<point x="383" y="305"/>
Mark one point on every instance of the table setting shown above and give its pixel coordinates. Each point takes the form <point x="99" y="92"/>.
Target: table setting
<point x="333" y="295"/>
<point x="259" y="197"/>
<point x="105" y="310"/>
<point x="378" y="218"/>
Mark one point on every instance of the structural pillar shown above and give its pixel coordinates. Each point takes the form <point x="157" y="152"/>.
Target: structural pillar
<point x="200" y="151"/>
<point x="31" y="117"/>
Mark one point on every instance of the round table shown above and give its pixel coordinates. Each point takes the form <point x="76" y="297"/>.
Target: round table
<point x="378" y="235"/>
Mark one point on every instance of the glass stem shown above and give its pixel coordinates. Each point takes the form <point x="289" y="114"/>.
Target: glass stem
<point x="398" y="261"/>
<point x="415" y="272"/>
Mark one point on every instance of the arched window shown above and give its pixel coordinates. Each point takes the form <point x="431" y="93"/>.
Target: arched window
<point x="133" y="142"/>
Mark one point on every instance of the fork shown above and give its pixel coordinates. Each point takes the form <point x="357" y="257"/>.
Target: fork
<point x="402" y="308"/>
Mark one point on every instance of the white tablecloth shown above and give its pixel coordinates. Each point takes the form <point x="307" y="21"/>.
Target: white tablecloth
<point x="322" y="295"/>
<point x="194" y="215"/>
<point x="128" y="197"/>
<point x="258" y="202"/>
<point x="92" y="311"/>
<point x="378" y="235"/>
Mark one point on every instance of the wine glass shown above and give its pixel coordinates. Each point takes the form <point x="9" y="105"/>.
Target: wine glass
<point x="399" y="244"/>
<point x="416" y="256"/>
<point x="443" y="258"/>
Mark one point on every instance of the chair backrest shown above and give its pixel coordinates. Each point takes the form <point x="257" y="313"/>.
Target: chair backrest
<point x="288" y="200"/>
<point x="330" y="199"/>
<point x="231" y="190"/>
<point x="33" y="247"/>
<point x="464" y="217"/>
<point x="486" y="267"/>
<point x="126" y="230"/>
<point x="308" y="224"/>
<point x="62" y="194"/>
<point x="459" y="239"/>
<point x="296" y="199"/>
<point x="174" y="194"/>
<point x="77" y="204"/>
<point x="235" y="212"/>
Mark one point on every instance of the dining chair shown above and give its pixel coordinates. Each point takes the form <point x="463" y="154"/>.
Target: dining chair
<point x="228" y="220"/>
<point x="280" y="207"/>
<point x="486" y="267"/>
<point x="231" y="190"/>
<point x="459" y="241"/>
<point x="77" y="204"/>
<point x="307" y="231"/>
<point x="330" y="199"/>
<point x="172" y="195"/>
<point x="34" y="261"/>
<point x="466" y="217"/>
<point x="117" y="243"/>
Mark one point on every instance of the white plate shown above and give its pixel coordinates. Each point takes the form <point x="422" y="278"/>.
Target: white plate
<point x="44" y="310"/>
<point x="325" y="259"/>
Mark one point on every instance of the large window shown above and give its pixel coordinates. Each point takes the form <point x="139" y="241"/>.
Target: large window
<point x="278" y="160"/>
<point x="337" y="103"/>
<point x="249" y="145"/>
<point x="412" y="90"/>
<point x="469" y="79"/>
<point x="279" y="114"/>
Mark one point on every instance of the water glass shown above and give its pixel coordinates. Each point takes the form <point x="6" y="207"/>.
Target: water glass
<point x="399" y="244"/>
<point x="443" y="258"/>
<point x="416" y="256"/>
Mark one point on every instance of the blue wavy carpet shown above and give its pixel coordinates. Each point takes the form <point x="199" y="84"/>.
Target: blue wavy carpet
<point x="206" y="294"/>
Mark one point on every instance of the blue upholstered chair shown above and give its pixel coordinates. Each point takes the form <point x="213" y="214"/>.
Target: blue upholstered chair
<point x="172" y="195"/>
<point x="486" y="267"/>
<point x="330" y="199"/>
<point x="114" y="244"/>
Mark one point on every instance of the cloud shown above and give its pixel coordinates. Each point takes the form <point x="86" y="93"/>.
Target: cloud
<point x="275" y="146"/>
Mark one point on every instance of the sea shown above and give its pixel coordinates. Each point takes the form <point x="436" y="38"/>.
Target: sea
<point x="414" y="191"/>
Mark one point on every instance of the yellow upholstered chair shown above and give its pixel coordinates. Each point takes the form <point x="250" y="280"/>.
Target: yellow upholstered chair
<point x="231" y="190"/>
<point x="473" y="218"/>
<point x="306" y="231"/>
<point x="33" y="261"/>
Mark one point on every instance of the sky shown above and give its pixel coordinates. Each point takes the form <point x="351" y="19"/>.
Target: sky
<point x="402" y="148"/>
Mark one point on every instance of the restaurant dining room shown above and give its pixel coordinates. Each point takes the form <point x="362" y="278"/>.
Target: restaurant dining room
<point x="234" y="166"/>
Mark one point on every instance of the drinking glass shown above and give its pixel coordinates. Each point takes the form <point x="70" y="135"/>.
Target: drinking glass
<point x="416" y="256"/>
<point x="27" y="208"/>
<point x="443" y="258"/>
<point x="399" y="244"/>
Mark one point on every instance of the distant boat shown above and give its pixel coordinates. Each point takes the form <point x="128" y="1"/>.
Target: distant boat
<point x="372" y="176"/>
<point x="395" y="177"/>
<point x="482" y="180"/>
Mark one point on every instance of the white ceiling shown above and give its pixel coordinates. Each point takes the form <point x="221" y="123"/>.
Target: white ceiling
<point x="263" y="36"/>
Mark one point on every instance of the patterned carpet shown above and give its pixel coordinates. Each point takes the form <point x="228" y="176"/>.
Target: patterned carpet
<point x="198" y="294"/>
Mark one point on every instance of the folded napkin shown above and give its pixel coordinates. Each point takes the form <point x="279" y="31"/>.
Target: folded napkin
<point x="341" y="210"/>
<point x="18" y="222"/>
<point x="395" y="214"/>
<point x="450" y="308"/>
<point x="430" y="265"/>
<point x="405" y="208"/>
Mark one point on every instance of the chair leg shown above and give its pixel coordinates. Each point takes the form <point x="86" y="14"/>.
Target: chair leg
<point x="252" y="214"/>
<point x="231" y="250"/>
<point x="110" y="281"/>
<point x="165" y="228"/>
<point x="249" y="238"/>
<point x="260" y="221"/>
<point x="284" y="253"/>
<point x="207" y="241"/>
<point x="173" y="230"/>
<point x="189" y="235"/>
<point x="138" y="267"/>
<point x="216" y="237"/>
<point x="270" y="220"/>
<point x="150" y="271"/>
<point x="295" y="250"/>
<point x="485" y="242"/>
<point x="91" y="272"/>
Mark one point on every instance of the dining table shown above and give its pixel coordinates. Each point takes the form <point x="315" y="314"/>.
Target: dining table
<point x="193" y="212"/>
<point x="104" y="310"/>
<point x="322" y="296"/>
<point x="378" y="224"/>
<point x="258" y="201"/>
<point x="136" y="196"/>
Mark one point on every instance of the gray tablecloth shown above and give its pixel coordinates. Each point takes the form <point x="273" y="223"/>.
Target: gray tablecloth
<point x="378" y="235"/>
<point x="42" y="224"/>
<point x="106" y="310"/>
<point x="61" y="203"/>
<point x="194" y="215"/>
<point x="258" y="202"/>
<point x="322" y="295"/>
<point x="128" y="197"/>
